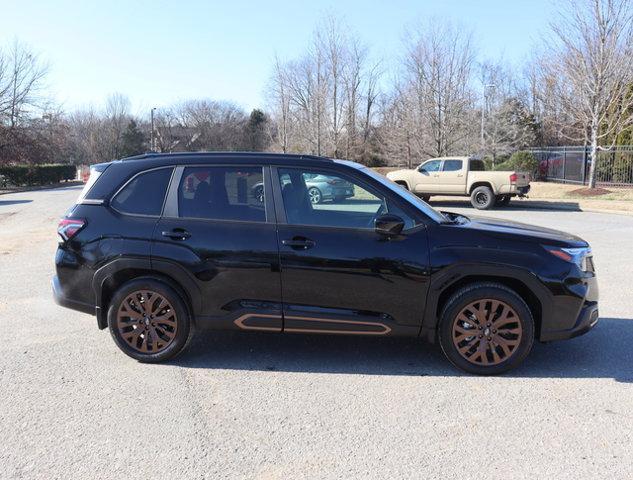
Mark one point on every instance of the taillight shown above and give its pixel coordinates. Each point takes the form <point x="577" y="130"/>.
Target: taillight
<point x="69" y="227"/>
<point x="513" y="178"/>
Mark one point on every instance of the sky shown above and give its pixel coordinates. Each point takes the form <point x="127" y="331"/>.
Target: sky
<point x="161" y="52"/>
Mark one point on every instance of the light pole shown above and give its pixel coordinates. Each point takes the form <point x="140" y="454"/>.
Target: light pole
<point x="152" y="142"/>
<point x="483" y="116"/>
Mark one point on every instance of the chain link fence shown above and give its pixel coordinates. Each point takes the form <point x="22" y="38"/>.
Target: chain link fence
<point x="571" y="165"/>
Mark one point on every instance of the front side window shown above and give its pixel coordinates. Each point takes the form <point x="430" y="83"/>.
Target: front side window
<point x="452" y="165"/>
<point x="222" y="193"/>
<point x="144" y="194"/>
<point x="332" y="200"/>
<point x="431" y="166"/>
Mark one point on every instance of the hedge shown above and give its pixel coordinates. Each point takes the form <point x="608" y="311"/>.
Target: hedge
<point x="21" y="175"/>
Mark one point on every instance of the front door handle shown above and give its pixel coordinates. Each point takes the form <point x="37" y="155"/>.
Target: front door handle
<point x="299" y="243"/>
<point x="177" y="234"/>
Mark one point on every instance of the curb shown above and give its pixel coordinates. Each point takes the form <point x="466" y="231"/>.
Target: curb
<point x="536" y="204"/>
<point x="72" y="183"/>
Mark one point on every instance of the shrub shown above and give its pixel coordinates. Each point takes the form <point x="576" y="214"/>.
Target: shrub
<point x="27" y="175"/>
<point x="521" y="161"/>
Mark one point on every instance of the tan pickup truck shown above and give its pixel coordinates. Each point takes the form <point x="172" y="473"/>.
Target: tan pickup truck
<point x="463" y="176"/>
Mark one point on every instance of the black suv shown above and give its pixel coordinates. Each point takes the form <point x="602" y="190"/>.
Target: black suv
<point x="161" y="243"/>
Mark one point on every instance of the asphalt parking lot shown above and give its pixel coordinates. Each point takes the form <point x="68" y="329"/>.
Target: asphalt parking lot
<point x="272" y="406"/>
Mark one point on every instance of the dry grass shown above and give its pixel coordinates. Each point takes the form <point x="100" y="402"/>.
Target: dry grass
<point x="548" y="190"/>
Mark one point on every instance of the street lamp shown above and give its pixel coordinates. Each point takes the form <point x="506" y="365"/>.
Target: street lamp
<point x="483" y="115"/>
<point x="152" y="145"/>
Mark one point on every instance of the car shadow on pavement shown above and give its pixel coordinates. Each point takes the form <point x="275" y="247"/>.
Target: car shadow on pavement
<point x="604" y="352"/>
<point x="518" y="205"/>
<point x="13" y="202"/>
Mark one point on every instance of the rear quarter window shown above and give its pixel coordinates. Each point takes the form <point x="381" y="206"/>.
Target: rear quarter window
<point x="477" y="166"/>
<point x="144" y="194"/>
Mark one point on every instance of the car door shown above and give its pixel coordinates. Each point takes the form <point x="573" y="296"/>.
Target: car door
<point x="427" y="177"/>
<point x="340" y="276"/>
<point x="218" y="229"/>
<point x="451" y="177"/>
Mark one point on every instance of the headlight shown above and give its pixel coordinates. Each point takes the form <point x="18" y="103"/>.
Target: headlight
<point x="573" y="255"/>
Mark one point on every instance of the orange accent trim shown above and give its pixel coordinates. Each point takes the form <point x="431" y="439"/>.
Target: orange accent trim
<point x="240" y="322"/>
<point x="327" y="320"/>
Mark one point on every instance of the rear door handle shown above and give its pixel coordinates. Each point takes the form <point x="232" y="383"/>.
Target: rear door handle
<point x="299" y="243"/>
<point x="177" y="234"/>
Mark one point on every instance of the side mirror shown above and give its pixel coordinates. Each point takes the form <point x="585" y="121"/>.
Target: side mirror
<point x="388" y="224"/>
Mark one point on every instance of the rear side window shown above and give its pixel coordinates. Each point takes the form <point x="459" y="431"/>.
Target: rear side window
<point x="144" y="194"/>
<point x="477" y="166"/>
<point x="452" y="165"/>
<point x="222" y="193"/>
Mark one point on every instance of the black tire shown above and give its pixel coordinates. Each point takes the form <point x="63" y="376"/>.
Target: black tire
<point x="502" y="200"/>
<point x="482" y="198"/>
<point x="315" y="195"/>
<point x="486" y="292"/>
<point x="180" y="317"/>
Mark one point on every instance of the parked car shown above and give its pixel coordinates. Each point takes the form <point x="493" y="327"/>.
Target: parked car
<point x="320" y="188"/>
<point x="160" y="243"/>
<point x="463" y="176"/>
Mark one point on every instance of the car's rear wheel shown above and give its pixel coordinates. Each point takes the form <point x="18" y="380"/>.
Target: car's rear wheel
<point x="482" y="198"/>
<point x="315" y="196"/>
<point x="148" y="320"/>
<point x="486" y="329"/>
<point x="502" y="200"/>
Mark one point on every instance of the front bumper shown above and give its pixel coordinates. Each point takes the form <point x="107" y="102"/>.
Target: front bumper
<point x="587" y="319"/>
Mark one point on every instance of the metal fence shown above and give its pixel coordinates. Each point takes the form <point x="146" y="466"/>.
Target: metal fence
<point x="571" y="165"/>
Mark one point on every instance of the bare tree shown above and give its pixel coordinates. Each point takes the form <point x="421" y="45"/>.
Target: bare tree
<point x="507" y="122"/>
<point x="590" y="71"/>
<point x="116" y="117"/>
<point x="22" y="76"/>
<point x="438" y="69"/>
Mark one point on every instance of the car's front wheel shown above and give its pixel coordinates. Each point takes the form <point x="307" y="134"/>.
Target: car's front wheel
<point x="148" y="320"/>
<point x="315" y="196"/>
<point x="486" y="329"/>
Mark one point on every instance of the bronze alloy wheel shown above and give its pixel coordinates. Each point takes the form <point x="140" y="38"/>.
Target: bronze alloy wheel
<point x="487" y="332"/>
<point x="146" y="321"/>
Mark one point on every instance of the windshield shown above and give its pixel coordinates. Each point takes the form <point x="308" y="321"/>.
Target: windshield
<point x="407" y="195"/>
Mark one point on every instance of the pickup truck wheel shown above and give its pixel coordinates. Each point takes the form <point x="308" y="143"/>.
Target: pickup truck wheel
<point x="502" y="200"/>
<point x="486" y="329"/>
<point x="482" y="198"/>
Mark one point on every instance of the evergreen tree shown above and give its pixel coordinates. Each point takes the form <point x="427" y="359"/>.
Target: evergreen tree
<point x="255" y="135"/>
<point x="133" y="140"/>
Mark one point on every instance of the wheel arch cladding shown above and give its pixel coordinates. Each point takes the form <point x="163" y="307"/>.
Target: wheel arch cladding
<point x="109" y="278"/>
<point x="519" y="285"/>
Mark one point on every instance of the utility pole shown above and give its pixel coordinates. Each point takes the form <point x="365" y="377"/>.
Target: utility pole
<point x="152" y="145"/>
<point x="483" y="117"/>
